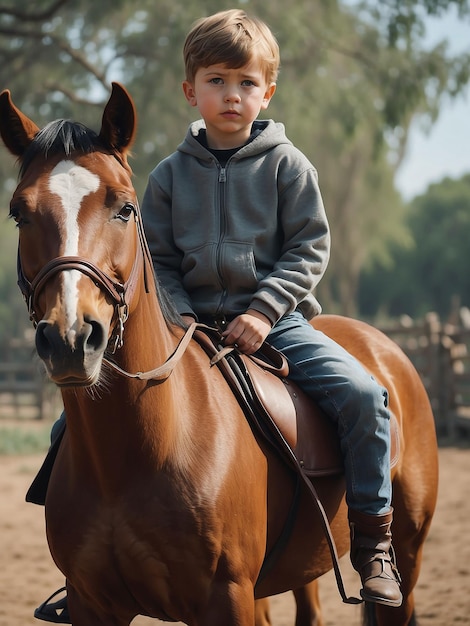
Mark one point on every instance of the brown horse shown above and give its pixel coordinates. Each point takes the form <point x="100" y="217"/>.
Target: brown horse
<point x="162" y="501"/>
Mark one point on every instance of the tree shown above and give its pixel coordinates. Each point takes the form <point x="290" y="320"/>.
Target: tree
<point x="369" y="77"/>
<point x="433" y="274"/>
<point x="353" y="76"/>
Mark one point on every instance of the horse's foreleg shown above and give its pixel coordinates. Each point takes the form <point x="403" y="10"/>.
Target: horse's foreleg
<point x="308" y="612"/>
<point x="230" y="604"/>
<point x="307" y="599"/>
<point x="262" y="617"/>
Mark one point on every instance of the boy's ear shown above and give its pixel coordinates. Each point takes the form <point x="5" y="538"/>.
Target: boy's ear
<point x="268" y="95"/>
<point x="189" y="93"/>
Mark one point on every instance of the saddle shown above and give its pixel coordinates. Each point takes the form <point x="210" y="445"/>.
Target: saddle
<point x="279" y="410"/>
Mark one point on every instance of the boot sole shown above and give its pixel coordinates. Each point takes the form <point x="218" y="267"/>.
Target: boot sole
<point x="380" y="600"/>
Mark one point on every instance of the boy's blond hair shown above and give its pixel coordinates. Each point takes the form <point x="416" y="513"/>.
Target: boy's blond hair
<point x="231" y="38"/>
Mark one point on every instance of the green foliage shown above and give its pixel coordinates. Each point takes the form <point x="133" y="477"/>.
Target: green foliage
<point x="24" y="441"/>
<point x="433" y="274"/>
<point x="13" y="314"/>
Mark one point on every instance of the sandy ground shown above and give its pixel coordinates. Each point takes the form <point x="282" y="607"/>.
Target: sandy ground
<point x="28" y="575"/>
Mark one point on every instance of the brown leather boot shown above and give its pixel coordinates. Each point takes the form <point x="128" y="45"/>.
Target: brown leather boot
<point x="373" y="557"/>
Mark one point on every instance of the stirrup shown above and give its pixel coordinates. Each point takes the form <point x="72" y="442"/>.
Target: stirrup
<point x="56" y="612"/>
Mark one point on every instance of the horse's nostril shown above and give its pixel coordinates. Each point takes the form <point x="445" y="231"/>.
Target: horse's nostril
<point x="43" y="341"/>
<point x="96" y="339"/>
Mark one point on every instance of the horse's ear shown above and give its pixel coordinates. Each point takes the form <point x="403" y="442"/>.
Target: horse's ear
<point x="119" y="120"/>
<point x="16" y="129"/>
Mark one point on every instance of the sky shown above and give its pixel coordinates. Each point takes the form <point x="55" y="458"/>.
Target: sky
<point x="445" y="150"/>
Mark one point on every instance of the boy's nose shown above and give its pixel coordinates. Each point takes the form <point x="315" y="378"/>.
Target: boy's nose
<point x="232" y="96"/>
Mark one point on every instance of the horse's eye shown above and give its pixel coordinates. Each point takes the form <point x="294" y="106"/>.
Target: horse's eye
<point x="126" y="211"/>
<point x="15" y="215"/>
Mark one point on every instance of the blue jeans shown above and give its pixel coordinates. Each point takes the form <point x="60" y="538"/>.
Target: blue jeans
<point x="349" y="396"/>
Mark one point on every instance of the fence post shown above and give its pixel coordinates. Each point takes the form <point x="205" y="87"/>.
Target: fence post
<point x="436" y="389"/>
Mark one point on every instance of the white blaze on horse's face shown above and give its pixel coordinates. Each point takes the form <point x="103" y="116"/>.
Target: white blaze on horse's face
<point x="72" y="184"/>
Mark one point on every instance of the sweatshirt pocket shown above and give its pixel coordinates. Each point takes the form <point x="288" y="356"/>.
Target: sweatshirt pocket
<point x="199" y="269"/>
<point x="213" y="268"/>
<point x="237" y="267"/>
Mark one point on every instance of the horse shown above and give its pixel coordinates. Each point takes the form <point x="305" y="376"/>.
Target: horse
<point x="162" y="500"/>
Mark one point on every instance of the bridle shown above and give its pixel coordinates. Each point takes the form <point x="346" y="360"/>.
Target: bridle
<point x="121" y="294"/>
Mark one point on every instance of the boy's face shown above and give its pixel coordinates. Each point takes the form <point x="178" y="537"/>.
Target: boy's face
<point x="229" y="100"/>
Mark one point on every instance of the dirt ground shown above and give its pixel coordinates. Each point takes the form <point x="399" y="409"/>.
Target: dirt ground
<point x="28" y="575"/>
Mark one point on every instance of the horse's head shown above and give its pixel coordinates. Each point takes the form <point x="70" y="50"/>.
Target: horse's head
<point x="79" y="253"/>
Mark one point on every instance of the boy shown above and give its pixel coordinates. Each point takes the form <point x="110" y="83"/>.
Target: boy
<point x="239" y="237"/>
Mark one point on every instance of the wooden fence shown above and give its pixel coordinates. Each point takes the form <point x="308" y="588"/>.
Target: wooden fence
<point x="25" y="393"/>
<point x="440" y="351"/>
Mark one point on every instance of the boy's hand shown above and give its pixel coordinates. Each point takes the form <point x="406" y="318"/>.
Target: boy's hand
<point x="247" y="331"/>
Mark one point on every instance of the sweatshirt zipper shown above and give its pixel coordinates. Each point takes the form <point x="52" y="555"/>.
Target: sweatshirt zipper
<point x="222" y="179"/>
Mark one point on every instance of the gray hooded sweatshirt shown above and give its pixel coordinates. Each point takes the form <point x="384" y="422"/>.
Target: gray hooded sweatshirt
<point x="252" y="234"/>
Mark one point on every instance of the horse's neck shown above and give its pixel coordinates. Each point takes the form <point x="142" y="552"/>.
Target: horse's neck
<point x="124" y="413"/>
<point x="148" y="339"/>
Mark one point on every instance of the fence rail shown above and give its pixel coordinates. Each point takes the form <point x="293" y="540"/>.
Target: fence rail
<point x="440" y="351"/>
<point x="25" y="393"/>
<point x="441" y="354"/>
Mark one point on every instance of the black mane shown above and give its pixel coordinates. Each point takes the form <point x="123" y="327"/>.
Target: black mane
<point x="61" y="137"/>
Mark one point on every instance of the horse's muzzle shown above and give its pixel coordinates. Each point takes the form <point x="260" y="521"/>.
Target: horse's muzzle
<point x="74" y="358"/>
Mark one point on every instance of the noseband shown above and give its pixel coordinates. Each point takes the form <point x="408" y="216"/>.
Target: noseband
<point x="120" y="293"/>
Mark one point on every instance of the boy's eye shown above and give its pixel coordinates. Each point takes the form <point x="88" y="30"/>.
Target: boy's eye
<point x="216" y="81"/>
<point x="247" y="83"/>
